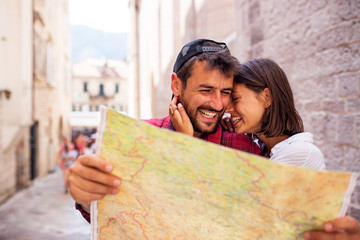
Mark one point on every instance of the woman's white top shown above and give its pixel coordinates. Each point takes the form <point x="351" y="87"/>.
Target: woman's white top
<point x="298" y="150"/>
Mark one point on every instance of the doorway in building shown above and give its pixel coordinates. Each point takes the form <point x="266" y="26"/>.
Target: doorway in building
<point x="33" y="150"/>
<point x="21" y="176"/>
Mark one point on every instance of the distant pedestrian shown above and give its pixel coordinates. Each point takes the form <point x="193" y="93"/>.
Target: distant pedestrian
<point x="67" y="156"/>
<point x="92" y="144"/>
<point x="81" y="142"/>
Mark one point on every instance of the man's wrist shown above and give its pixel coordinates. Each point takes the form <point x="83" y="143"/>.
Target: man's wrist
<point x="85" y="208"/>
<point x="84" y="212"/>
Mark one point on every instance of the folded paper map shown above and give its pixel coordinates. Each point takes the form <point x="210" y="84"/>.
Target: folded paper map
<point x="175" y="186"/>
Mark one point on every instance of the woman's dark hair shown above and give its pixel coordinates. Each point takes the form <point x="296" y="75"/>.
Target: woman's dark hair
<point x="281" y="117"/>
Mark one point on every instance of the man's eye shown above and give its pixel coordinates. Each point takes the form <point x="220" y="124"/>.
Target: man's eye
<point x="234" y="99"/>
<point x="205" y="90"/>
<point x="226" y="93"/>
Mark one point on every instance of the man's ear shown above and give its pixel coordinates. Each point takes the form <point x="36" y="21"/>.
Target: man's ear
<point x="267" y="97"/>
<point x="176" y="84"/>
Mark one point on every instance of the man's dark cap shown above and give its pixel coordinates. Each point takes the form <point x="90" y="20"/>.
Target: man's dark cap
<point x="194" y="48"/>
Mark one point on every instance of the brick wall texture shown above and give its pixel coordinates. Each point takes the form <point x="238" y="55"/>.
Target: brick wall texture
<point x="318" y="45"/>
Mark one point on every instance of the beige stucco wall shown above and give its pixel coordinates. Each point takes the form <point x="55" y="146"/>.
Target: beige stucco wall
<point x="52" y="82"/>
<point x="30" y="100"/>
<point x="16" y="76"/>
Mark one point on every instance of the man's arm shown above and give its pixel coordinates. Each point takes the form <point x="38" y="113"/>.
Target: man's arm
<point x="90" y="179"/>
<point x="344" y="228"/>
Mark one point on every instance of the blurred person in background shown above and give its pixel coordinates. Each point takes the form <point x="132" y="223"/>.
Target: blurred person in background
<point x="66" y="158"/>
<point x="92" y="144"/>
<point x="80" y="141"/>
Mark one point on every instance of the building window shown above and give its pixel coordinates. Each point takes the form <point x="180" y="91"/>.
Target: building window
<point x="85" y="87"/>
<point x="97" y="108"/>
<point x="117" y="88"/>
<point x="73" y="108"/>
<point x="90" y="108"/>
<point x="101" y="90"/>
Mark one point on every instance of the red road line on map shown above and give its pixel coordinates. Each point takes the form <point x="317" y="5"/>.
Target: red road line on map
<point x="106" y="225"/>
<point x="130" y="214"/>
<point x="254" y="182"/>
<point x="144" y="216"/>
<point x="141" y="204"/>
<point x="114" y="134"/>
<point x="133" y="150"/>
<point x="258" y="198"/>
<point x="141" y="168"/>
<point x="121" y="218"/>
<point x="141" y="227"/>
<point x="123" y="221"/>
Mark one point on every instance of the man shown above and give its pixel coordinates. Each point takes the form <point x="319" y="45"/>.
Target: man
<point x="202" y="81"/>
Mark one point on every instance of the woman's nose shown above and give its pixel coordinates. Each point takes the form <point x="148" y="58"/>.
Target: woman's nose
<point x="230" y="107"/>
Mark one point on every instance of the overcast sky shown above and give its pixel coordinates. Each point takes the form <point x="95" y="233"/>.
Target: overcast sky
<point x="105" y="15"/>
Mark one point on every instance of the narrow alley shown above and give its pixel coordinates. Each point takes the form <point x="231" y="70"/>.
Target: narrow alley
<point x="43" y="211"/>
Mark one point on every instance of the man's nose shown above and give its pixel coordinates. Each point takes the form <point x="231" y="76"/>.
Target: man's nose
<point x="217" y="101"/>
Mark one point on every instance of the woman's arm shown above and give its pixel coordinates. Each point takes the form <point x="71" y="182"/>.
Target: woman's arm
<point x="179" y="118"/>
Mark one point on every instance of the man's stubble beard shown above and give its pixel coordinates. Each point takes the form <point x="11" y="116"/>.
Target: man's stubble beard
<point x="192" y="113"/>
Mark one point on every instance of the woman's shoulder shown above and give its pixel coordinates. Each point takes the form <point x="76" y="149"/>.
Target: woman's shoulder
<point x="299" y="150"/>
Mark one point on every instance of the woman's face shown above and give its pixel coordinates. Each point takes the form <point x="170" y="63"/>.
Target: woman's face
<point x="247" y="109"/>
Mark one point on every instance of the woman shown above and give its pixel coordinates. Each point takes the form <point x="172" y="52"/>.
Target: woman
<point x="262" y="104"/>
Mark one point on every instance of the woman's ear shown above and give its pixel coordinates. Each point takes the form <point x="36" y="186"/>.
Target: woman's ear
<point x="267" y="97"/>
<point x="176" y="84"/>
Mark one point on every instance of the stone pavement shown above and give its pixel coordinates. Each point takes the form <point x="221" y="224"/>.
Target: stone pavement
<point x="43" y="211"/>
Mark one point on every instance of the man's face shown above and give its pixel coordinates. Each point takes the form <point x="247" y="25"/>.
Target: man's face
<point x="206" y="97"/>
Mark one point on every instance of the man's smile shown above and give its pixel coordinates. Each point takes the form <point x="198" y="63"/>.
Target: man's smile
<point x="207" y="113"/>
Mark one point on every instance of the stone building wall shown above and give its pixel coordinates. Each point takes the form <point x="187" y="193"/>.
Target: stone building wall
<point x="317" y="44"/>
